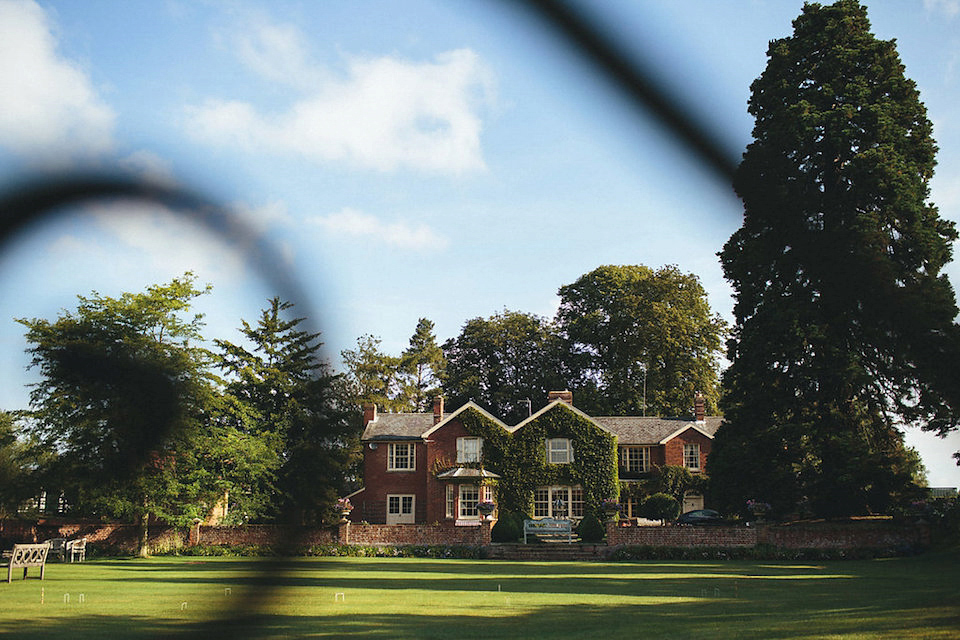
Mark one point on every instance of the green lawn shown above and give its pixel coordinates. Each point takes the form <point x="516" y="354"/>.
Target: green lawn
<point x="414" y="598"/>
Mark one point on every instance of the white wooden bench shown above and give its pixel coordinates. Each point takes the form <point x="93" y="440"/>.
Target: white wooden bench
<point x="548" y="528"/>
<point x="27" y="555"/>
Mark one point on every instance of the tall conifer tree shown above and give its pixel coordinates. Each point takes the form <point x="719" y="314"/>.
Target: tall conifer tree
<point x="845" y="325"/>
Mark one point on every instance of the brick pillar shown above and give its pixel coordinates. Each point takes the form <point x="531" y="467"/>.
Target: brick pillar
<point x="194" y="537"/>
<point x="486" y="526"/>
<point x="343" y="532"/>
<point x="612" y="531"/>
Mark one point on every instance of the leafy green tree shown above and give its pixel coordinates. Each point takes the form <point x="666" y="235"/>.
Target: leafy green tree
<point x="502" y="361"/>
<point x="422" y="365"/>
<point x="641" y="341"/>
<point x="20" y="462"/>
<point x="293" y="404"/>
<point x="373" y="376"/>
<point x="845" y="325"/>
<point x="121" y="400"/>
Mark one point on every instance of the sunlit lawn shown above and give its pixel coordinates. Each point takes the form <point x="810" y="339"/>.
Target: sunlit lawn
<point x="390" y="598"/>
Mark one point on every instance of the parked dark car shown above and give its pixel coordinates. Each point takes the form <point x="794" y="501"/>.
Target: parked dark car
<point x="700" y="517"/>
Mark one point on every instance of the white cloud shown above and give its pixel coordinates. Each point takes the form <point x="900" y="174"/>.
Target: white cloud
<point x="278" y="53"/>
<point x="950" y="8"/>
<point x="384" y="113"/>
<point x="49" y="110"/>
<point x="351" y="222"/>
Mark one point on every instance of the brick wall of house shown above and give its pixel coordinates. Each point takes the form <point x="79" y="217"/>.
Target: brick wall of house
<point x="673" y="449"/>
<point x="371" y="505"/>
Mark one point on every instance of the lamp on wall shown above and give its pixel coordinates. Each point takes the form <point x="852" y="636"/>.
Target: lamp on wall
<point x="373" y="446"/>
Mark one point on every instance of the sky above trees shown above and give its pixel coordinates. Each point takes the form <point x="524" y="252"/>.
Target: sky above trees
<point x="411" y="159"/>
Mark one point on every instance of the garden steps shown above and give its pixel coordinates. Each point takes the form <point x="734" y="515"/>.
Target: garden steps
<point x="546" y="551"/>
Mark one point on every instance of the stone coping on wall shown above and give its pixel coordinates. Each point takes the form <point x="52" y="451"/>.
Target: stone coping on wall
<point x="863" y="534"/>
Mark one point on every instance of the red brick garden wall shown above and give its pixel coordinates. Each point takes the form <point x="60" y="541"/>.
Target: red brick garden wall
<point x="847" y="535"/>
<point x="682" y="536"/>
<point x="123" y="537"/>
<point x="429" y="534"/>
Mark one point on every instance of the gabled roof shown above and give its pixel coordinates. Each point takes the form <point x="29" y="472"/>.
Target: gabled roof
<point x="569" y="406"/>
<point x="652" y="431"/>
<point x="414" y="426"/>
<point x="469" y="405"/>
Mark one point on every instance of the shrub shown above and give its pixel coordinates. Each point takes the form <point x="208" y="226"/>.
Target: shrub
<point x="660" y="506"/>
<point x="508" y="528"/>
<point x="590" y="529"/>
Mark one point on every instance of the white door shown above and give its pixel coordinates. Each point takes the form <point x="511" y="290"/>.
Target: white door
<point x="400" y="509"/>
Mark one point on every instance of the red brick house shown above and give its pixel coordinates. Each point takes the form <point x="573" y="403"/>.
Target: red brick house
<point x="435" y="467"/>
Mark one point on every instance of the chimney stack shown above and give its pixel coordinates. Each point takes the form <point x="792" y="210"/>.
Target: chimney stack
<point x="562" y="396"/>
<point x="700" y="407"/>
<point x="437" y="409"/>
<point x="369" y="413"/>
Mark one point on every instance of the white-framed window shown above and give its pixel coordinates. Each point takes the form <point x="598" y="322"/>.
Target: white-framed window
<point x="401" y="456"/>
<point x="559" y="451"/>
<point x="635" y="458"/>
<point x="469" y="497"/>
<point x="451" y="502"/>
<point x="541" y="502"/>
<point x="630" y="507"/>
<point x="469" y="449"/>
<point x="558" y="502"/>
<point x="691" y="456"/>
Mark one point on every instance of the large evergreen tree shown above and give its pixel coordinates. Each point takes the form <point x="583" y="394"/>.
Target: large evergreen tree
<point x="422" y="365"/>
<point x="295" y="404"/>
<point x="640" y="341"/>
<point x="845" y="325"/>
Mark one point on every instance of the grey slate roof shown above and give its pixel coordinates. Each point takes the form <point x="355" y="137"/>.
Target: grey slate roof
<point x="398" y="426"/>
<point x="628" y="429"/>
<point x="640" y="430"/>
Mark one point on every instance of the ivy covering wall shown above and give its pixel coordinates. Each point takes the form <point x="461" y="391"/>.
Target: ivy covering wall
<point x="520" y="459"/>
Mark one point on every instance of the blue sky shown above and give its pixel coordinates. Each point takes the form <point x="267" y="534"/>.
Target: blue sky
<point x="408" y="158"/>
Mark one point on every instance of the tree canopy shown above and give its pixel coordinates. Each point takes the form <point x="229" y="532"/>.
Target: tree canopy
<point x="640" y="341"/>
<point x="845" y="325"/>
<point x="121" y="400"/>
<point x="503" y="361"/>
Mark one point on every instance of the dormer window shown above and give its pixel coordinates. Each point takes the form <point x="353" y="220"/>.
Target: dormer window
<point x="559" y="451"/>
<point x="469" y="449"/>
